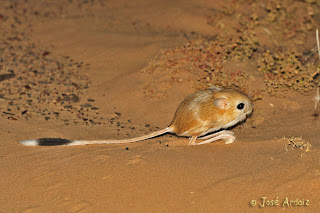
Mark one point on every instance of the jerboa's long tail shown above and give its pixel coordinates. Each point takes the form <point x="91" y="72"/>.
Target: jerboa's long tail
<point x="66" y="142"/>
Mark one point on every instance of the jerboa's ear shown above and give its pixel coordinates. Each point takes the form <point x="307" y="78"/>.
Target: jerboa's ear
<point x="214" y="88"/>
<point x="222" y="103"/>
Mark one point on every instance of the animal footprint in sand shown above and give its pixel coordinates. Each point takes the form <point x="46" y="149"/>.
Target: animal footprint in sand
<point x="76" y="206"/>
<point x="136" y="160"/>
<point x="101" y="159"/>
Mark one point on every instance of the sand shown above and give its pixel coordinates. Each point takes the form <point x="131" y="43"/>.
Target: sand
<point x="95" y="54"/>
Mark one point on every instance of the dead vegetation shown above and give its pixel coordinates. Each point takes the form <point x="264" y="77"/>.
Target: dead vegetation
<point x="275" y="35"/>
<point x="284" y="70"/>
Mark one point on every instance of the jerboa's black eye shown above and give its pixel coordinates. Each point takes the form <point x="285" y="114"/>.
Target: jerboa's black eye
<point x="240" y="106"/>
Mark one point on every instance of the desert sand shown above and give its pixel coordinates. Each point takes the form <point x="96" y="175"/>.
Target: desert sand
<point x="76" y="70"/>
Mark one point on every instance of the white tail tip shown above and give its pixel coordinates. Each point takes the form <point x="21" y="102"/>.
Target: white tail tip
<point x="32" y="142"/>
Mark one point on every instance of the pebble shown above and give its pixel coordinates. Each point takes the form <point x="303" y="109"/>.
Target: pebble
<point x="86" y="105"/>
<point x="70" y="98"/>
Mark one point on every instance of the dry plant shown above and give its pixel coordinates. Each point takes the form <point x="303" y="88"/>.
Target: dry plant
<point x="317" y="37"/>
<point x="317" y="96"/>
<point x="284" y="71"/>
<point x="296" y="143"/>
<point x="316" y="99"/>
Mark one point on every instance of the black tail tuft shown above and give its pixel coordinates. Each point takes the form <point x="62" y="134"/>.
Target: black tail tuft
<point x="53" y="141"/>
